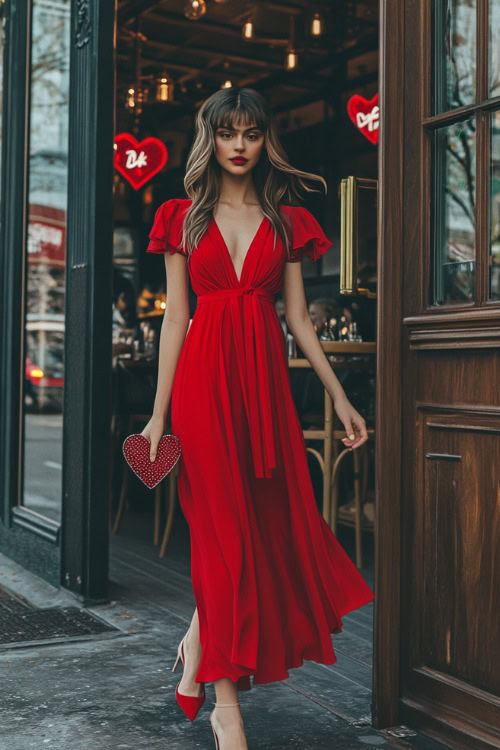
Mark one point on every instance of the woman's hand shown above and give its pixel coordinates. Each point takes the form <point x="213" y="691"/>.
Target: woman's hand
<point x="355" y="425"/>
<point x="153" y="432"/>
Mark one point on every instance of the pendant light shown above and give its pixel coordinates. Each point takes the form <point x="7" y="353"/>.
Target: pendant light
<point x="292" y="60"/>
<point x="194" y="9"/>
<point x="164" y="88"/>
<point x="247" y="30"/>
<point x="130" y="99"/>
<point x="317" y="25"/>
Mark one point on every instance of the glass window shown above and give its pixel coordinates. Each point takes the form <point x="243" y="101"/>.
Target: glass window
<point x="494" y="49"/>
<point x="46" y="256"/>
<point x="454" y="160"/>
<point x="454" y="54"/>
<point x="494" y="259"/>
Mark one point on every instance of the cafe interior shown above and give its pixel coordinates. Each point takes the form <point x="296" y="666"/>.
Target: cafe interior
<point x="317" y="64"/>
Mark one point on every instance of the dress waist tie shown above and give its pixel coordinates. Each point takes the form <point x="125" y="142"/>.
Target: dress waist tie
<point x="253" y="367"/>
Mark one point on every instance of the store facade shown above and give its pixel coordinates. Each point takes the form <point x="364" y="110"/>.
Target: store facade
<point x="438" y="413"/>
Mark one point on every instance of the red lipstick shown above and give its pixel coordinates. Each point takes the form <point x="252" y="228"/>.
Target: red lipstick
<point x="239" y="160"/>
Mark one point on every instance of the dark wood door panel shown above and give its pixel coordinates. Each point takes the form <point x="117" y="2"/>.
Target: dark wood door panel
<point x="450" y="651"/>
<point x="461" y="519"/>
<point x="451" y="376"/>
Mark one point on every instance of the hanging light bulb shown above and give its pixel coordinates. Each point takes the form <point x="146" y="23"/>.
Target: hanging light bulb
<point x="291" y="54"/>
<point x="130" y="98"/>
<point x="164" y="88"/>
<point x="247" y="30"/>
<point x="291" y="59"/>
<point x="140" y="97"/>
<point x="194" y="9"/>
<point x="317" y="26"/>
<point x="227" y="84"/>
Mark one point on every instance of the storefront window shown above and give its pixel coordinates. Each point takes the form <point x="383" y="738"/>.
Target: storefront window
<point x="454" y="54"/>
<point x="46" y="256"/>
<point x="494" y="280"/>
<point x="454" y="160"/>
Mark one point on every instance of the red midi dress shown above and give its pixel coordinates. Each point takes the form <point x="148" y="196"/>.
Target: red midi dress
<point x="270" y="580"/>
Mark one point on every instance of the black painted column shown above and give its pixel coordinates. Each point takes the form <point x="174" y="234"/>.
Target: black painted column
<point x="87" y="397"/>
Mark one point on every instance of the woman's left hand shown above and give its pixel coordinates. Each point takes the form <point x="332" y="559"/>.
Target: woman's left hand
<point x="355" y="425"/>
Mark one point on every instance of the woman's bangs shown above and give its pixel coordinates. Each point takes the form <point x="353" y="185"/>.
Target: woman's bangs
<point x="242" y="116"/>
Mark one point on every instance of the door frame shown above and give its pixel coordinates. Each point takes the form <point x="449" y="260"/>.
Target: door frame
<point x="388" y="462"/>
<point x="89" y="269"/>
<point x="74" y="552"/>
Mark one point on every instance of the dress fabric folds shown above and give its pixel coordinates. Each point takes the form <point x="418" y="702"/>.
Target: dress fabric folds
<point x="270" y="580"/>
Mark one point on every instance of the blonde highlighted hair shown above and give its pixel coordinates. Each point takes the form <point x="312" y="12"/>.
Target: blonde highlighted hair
<point x="275" y="180"/>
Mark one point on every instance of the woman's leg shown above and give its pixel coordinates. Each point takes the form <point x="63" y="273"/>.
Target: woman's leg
<point x="227" y="720"/>
<point x="192" y="656"/>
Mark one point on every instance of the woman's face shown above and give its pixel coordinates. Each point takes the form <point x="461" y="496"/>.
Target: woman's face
<point x="238" y="148"/>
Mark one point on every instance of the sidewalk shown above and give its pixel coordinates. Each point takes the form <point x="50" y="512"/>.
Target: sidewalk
<point x="118" y="692"/>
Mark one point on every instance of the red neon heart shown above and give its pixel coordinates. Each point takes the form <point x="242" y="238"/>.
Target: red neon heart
<point x="136" y="452"/>
<point x="138" y="161"/>
<point x="365" y="115"/>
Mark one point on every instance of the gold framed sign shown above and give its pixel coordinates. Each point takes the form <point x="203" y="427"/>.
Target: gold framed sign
<point x="358" y="236"/>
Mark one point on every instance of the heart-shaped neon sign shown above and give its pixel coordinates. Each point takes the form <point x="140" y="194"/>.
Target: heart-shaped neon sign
<point x="138" y="161"/>
<point x="365" y="115"/>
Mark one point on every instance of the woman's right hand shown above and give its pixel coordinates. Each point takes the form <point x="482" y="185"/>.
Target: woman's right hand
<point x="153" y="432"/>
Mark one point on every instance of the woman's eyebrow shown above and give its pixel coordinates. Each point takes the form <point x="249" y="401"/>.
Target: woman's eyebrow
<point x="228" y="127"/>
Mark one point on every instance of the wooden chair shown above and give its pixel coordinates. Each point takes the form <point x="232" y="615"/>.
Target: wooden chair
<point x="323" y="427"/>
<point x="352" y="513"/>
<point x="133" y="421"/>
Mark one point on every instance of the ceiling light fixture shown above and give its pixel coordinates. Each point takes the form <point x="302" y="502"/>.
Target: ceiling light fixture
<point x="164" y="88"/>
<point x="194" y="9"/>
<point x="291" y="53"/>
<point x="317" y="25"/>
<point x="247" y="30"/>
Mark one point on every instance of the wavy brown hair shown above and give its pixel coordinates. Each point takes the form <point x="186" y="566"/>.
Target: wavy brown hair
<point x="275" y="180"/>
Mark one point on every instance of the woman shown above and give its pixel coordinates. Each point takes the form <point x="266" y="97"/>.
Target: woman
<point x="270" y="580"/>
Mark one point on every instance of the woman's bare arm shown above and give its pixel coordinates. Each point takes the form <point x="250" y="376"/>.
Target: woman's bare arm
<point x="173" y="333"/>
<point x="300" y="324"/>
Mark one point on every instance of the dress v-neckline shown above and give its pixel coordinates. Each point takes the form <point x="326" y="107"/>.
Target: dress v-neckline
<point x="247" y="252"/>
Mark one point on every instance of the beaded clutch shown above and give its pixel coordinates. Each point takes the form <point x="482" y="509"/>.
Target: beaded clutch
<point x="136" y="452"/>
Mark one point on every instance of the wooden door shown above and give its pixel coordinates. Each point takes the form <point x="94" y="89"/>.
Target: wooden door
<point x="438" y="406"/>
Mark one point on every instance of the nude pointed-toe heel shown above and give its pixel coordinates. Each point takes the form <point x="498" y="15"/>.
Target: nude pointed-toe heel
<point x="190" y="704"/>
<point x="220" y="705"/>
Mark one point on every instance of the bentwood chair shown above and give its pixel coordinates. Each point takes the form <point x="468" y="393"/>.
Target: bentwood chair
<point x="352" y="513"/>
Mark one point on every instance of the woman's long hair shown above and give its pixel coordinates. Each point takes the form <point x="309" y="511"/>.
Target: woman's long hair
<point x="274" y="178"/>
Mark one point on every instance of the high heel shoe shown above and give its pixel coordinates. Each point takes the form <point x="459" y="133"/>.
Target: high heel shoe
<point x="190" y="704"/>
<point x="219" y="705"/>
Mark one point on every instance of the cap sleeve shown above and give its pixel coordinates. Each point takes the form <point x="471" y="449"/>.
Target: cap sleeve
<point x="166" y="233"/>
<point x="308" y="237"/>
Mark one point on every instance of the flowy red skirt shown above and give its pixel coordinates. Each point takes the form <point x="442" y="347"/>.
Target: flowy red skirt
<point x="270" y="580"/>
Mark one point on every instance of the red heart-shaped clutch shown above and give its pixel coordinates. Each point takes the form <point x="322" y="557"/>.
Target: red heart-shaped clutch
<point x="136" y="451"/>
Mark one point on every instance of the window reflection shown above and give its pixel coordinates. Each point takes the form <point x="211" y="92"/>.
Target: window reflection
<point x="454" y="161"/>
<point x="46" y="256"/>
<point x="494" y="290"/>
<point x="454" y="54"/>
